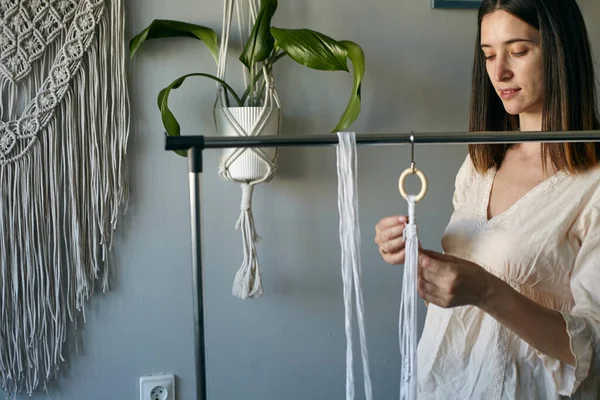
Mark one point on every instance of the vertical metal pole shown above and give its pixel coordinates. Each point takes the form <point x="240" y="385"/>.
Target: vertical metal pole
<point x="195" y="167"/>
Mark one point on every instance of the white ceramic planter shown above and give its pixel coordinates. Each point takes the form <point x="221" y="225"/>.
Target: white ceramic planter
<point x="247" y="166"/>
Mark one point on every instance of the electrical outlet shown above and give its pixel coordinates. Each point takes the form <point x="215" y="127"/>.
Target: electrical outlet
<point x="157" y="387"/>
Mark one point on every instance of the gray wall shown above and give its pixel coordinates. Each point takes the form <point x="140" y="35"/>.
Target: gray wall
<point x="290" y="343"/>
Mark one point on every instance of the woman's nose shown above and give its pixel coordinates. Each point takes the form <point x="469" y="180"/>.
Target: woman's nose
<point x="502" y="71"/>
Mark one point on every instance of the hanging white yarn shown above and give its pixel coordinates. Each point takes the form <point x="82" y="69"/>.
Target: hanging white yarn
<point x="350" y="258"/>
<point x="247" y="279"/>
<point x="248" y="166"/>
<point x="407" y="324"/>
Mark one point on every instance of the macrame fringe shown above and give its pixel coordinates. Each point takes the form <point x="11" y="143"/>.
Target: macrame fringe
<point x="350" y="258"/>
<point x="248" y="282"/>
<point x="407" y="328"/>
<point x="15" y="95"/>
<point x="60" y="204"/>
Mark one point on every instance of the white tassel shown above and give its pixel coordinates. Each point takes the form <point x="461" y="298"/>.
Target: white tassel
<point x="408" y="308"/>
<point x="350" y="258"/>
<point x="248" y="282"/>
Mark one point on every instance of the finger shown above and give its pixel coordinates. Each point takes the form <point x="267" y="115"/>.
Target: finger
<point x="430" y="293"/>
<point x="430" y="276"/>
<point x="390" y="233"/>
<point x="393" y="246"/>
<point x="431" y="299"/>
<point x="429" y="288"/>
<point x="434" y="265"/>
<point x="438" y="256"/>
<point x="394" y="258"/>
<point x="388" y="222"/>
<point x="393" y="237"/>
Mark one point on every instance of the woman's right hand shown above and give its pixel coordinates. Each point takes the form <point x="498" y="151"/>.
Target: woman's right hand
<point x="388" y="236"/>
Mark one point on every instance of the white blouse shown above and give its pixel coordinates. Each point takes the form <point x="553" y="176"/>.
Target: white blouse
<point x="547" y="247"/>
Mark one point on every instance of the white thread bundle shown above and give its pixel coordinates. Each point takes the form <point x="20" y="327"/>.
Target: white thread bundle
<point x="350" y="255"/>
<point x="407" y="324"/>
<point x="247" y="282"/>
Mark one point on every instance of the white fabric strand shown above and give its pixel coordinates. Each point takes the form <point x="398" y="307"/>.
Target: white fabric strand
<point x="62" y="188"/>
<point x="350" y="258"/>
<point x="248" y="283"/>
<point x="408" y="308"/>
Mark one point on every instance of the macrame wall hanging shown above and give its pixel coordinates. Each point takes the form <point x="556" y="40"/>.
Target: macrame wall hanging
<point x="351" y="272"/>
<point x="63" y="180"/>
<point x="246" y="166"/>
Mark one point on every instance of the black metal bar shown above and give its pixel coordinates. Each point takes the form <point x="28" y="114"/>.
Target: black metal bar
<point x="195" y="171"/>
<point x="220" y="142"/>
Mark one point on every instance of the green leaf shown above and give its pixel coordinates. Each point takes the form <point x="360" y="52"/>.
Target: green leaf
<point x="161" y="94"/>
<point x="164" y="28"/>
<point x="357" y="56"/>
<point x="169" y="121"/>
<point x="260" y="43"/>
<point x="321" y="52"/>
<point x="310" y="48"/>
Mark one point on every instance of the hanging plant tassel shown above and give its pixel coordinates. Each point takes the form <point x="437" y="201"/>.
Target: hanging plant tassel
<point x="408" y="308"/>
<point x="248" y="283"/>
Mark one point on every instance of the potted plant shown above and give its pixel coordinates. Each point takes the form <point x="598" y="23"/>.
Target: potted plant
<point x="255" y="111"/>
<point x="265" y="46"/>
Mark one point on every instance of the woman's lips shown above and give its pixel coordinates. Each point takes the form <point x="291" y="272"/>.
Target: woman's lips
<point x="508" y="94"/>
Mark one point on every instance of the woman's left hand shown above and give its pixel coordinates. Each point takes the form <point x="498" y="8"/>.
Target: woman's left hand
<point x="448" y="281"/>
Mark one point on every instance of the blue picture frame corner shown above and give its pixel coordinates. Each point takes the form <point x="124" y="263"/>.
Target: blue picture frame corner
<point x="456" y="4"/>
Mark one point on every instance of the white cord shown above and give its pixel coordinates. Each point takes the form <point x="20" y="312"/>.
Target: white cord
<point x="407" y="322"/>
<point x="350" y="257"/>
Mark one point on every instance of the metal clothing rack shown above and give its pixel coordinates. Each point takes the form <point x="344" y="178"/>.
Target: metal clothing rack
<point x="195" y="145"/>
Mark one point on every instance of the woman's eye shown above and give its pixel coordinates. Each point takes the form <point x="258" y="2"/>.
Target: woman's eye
<point x="489" y="57"/>
<point x="519" y="53"/>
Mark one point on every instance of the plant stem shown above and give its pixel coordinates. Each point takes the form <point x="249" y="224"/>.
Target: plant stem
<point x="278" y="57"/>
<point x="252" y="77"/>
<point x="261" y="90"/>
<point x="250" y="87"/>
<point x="255" y="78"/>
<point x="226" y="86"/>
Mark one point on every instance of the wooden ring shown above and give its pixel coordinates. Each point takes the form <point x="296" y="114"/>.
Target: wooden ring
<point x="421" y="175"/>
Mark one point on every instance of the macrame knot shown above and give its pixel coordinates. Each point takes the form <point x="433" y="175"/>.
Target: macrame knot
<point x="247" y="191"/>
<point x="248" y="282"/>
<point x="411" y="209"/>
<point x="410" y="231"/>
<point x="271" y="82"/>
<point x="406" y="366"/>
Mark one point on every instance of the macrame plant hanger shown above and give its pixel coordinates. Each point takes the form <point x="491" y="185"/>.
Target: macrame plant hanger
<point x="246" y="166"/>
<point x="64" y="124"/>
<point x="407" y="322"/>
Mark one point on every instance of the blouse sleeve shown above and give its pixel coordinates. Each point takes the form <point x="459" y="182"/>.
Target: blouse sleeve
<point x="583" y="321"/>
<point x="462" y="182"/>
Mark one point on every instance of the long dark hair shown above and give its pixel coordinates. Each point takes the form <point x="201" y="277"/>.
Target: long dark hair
<point x="569" y="91"/>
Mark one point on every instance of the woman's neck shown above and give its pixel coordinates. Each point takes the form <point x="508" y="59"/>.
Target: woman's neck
<point x="530" y="122"/>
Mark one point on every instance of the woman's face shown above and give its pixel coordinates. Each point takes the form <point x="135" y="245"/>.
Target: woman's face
<point x="513" y="53"/>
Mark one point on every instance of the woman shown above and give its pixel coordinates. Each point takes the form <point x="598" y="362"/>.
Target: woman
<point x="514" y="301"/>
